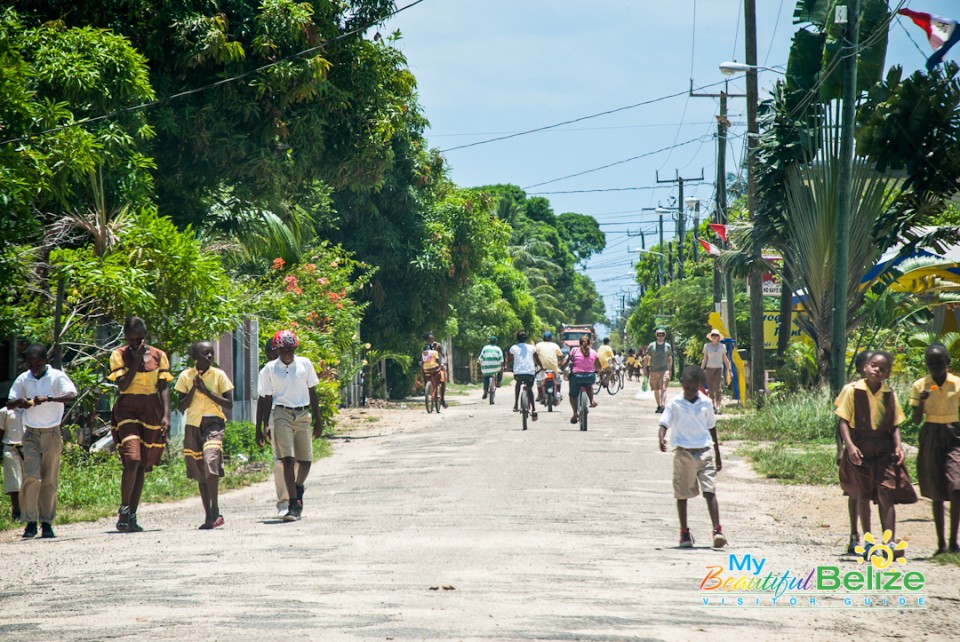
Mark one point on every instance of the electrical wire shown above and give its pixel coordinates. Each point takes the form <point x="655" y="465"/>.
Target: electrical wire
<point x="581" y="118"/>
<point x="221" y="82"/>
<point x="615" y="163"/>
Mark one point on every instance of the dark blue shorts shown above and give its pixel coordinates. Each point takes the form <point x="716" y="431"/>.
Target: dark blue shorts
<point x="580" y="379"/>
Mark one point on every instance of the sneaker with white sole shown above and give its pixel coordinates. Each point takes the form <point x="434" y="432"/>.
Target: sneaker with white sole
<point x="686" y="539"/>
<point x="719" y="541"/>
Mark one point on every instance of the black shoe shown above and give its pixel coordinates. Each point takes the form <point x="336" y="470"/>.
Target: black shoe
<point x="293" y="512"/>
<point x="123" y="520"/>
<point x="30" y="531"/>
<point x="659" y="409"/>
<point x="484" y="394"/>
<point x="46" y="531"/>
<point x="134" y="527"/>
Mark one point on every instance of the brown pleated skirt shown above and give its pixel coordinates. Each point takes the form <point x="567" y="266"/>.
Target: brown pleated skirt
<point x="878" y="471"/>
<point x="135" y="426"/>
<point x="938" y="462"/>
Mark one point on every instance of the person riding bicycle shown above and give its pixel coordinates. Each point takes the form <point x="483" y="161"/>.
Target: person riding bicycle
<point x="491" y="366"/>
<point x="524" y="363"/>
<point x="585" y="365"/>
<point x="606" y="356"/>
<point x="549" y="354"/>
<point x="434" y="364"/>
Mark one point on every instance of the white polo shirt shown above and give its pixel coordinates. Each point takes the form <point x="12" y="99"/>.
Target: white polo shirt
<point x="11" y="425"/>
<point x="523" y="363"/>
<point x="288" y="385"/>
<point x="689" y="423"/>
<point x="53" y="383"/>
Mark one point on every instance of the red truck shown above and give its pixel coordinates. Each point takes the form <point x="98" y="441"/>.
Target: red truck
<point x="570" y="335"/>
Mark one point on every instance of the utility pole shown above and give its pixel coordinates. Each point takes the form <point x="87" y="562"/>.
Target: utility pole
<point x="757" y="367"/>
<point x="838" y="346"/>
<point x="681" y="232"/>
<point x="660" y="212"/>
<point x="722" y="282"/>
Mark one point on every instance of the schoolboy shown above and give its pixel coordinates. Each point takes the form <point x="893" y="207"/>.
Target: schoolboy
<point x="205" y="391"/>
<point x="935" y="400"/>
<point x="283" y="499"/>
<point x="41" y="391"/>
<point x="11" y="435"/>
<point x="289" y="386"/>
<point x="693" y="429"/>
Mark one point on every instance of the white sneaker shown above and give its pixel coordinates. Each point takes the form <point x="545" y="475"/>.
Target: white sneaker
<point x="282" y="509"/>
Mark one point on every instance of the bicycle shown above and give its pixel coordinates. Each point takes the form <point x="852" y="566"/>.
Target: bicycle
<point x="524" y="403"/>
<point x="431" y="391"/>
<point x="583" y="407"/>
<point x="608" y="381"/>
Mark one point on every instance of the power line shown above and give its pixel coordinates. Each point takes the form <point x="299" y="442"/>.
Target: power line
<point x="223" y="81"/>
<point x="573" y="129"/>
<point x="607" y="189"/>
<point x="580" y="119"/>
<point x="615" y="163"/>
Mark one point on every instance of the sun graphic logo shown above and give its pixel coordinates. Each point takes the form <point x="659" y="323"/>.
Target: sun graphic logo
<point x="881" y="554"/>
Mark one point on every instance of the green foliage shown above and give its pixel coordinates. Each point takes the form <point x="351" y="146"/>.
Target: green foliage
<point x="153" y="271"/>
<point x="803" y="417"/>
<point x="239" y="438"/>
<point x="582" y="234"/>
<point x="797" y="464"/>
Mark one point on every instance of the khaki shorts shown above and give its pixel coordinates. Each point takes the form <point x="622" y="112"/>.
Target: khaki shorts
<point x="293" y="433"/>
<point x="693" y="471"/>
<point x="659" y="380"/>
<point x="12" y="468"/>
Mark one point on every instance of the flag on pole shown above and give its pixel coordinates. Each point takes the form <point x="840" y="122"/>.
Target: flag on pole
<point x="711" y="249"/>
<point x="941" y="32"/>
<point x="721" y="231"/>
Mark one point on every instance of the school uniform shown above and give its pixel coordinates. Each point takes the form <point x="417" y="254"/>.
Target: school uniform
<point x="205" y="423"/>
<point x="289" y="385"/>
<point x="42" y="442"/>
<point x="873" y="418"/>
<point x="12" y="428"/>
<point x="135" y="422"/>
<point x="688" y="425"/>
<point x="938" y="459"/>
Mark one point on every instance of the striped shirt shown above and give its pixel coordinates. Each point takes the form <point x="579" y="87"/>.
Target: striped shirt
<point x="491" y="359"/>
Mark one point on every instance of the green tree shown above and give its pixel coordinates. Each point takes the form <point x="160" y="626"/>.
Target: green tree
<point x="582" y="234"/>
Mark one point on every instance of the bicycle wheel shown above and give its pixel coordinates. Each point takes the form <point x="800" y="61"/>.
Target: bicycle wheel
<point x="584" y="407"/>
<point x="436" y="403"/>
<point x="598" y="385"/>
<point x="493" y="390"/>
<point x="524" y="405"/>
<point x="428" y="396"/>
<point x="613" y="385"/>
<point x="550" y="398"/>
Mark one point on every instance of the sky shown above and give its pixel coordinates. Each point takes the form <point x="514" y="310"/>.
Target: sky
<point x="491" y="68"/>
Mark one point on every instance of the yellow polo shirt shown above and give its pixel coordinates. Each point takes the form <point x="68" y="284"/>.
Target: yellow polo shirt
<point x="845" y="408"/>
<point x="605" y="354"/>
<point x="156" y="368"/>
<point x="943" y="404"/>
<point x="216" y="381"/>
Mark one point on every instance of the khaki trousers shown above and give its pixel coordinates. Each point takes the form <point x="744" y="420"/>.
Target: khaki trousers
<point x="41" y="471"/>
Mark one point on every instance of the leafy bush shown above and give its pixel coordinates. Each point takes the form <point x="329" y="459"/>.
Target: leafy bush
<point x="240" y="438"/>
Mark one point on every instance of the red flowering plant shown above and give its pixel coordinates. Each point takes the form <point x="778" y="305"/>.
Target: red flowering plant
<point x="316" y="299"/>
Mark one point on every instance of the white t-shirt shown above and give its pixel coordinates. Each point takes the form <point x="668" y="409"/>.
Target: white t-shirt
<point x="689" y="423"/>
<point x="11" y="425"/>
<point x="288" y="385"/>
<point x="523" y="363"/>
<point x="53" y="383"/>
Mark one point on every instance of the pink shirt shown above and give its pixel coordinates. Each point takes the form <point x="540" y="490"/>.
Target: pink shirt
<point x="582" y="362"/>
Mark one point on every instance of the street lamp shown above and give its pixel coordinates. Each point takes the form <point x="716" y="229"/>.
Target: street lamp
<point x="732" y="67"/>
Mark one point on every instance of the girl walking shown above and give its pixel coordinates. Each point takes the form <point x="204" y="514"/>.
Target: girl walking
<point x="141" y="415"/>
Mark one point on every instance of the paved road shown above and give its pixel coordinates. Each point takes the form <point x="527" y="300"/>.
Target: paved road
<point x="549" y="534"/>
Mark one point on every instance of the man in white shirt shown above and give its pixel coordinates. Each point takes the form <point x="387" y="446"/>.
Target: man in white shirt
<point x="289" y="388"/>
<point x="41" y="392"/>
<point x="523" y="362"/>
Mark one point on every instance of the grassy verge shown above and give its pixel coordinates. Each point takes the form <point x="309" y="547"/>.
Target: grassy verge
<point x="89" y="485"/>
<point x="813" y="464"/>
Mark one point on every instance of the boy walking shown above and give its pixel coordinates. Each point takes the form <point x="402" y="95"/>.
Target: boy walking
<point x="11" y="434"/>
<point x="205" y="391"/>
<point x="693" y="429"/>
<point x="289" y="388"/>
<point x="41" y="391"/>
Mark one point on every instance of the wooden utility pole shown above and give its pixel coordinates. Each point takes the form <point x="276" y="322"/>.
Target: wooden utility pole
<point x="841" y="269"/>
<point x="757" y="366"/>
<point x="681" y="231"/>
<point x="722" y="282"/>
